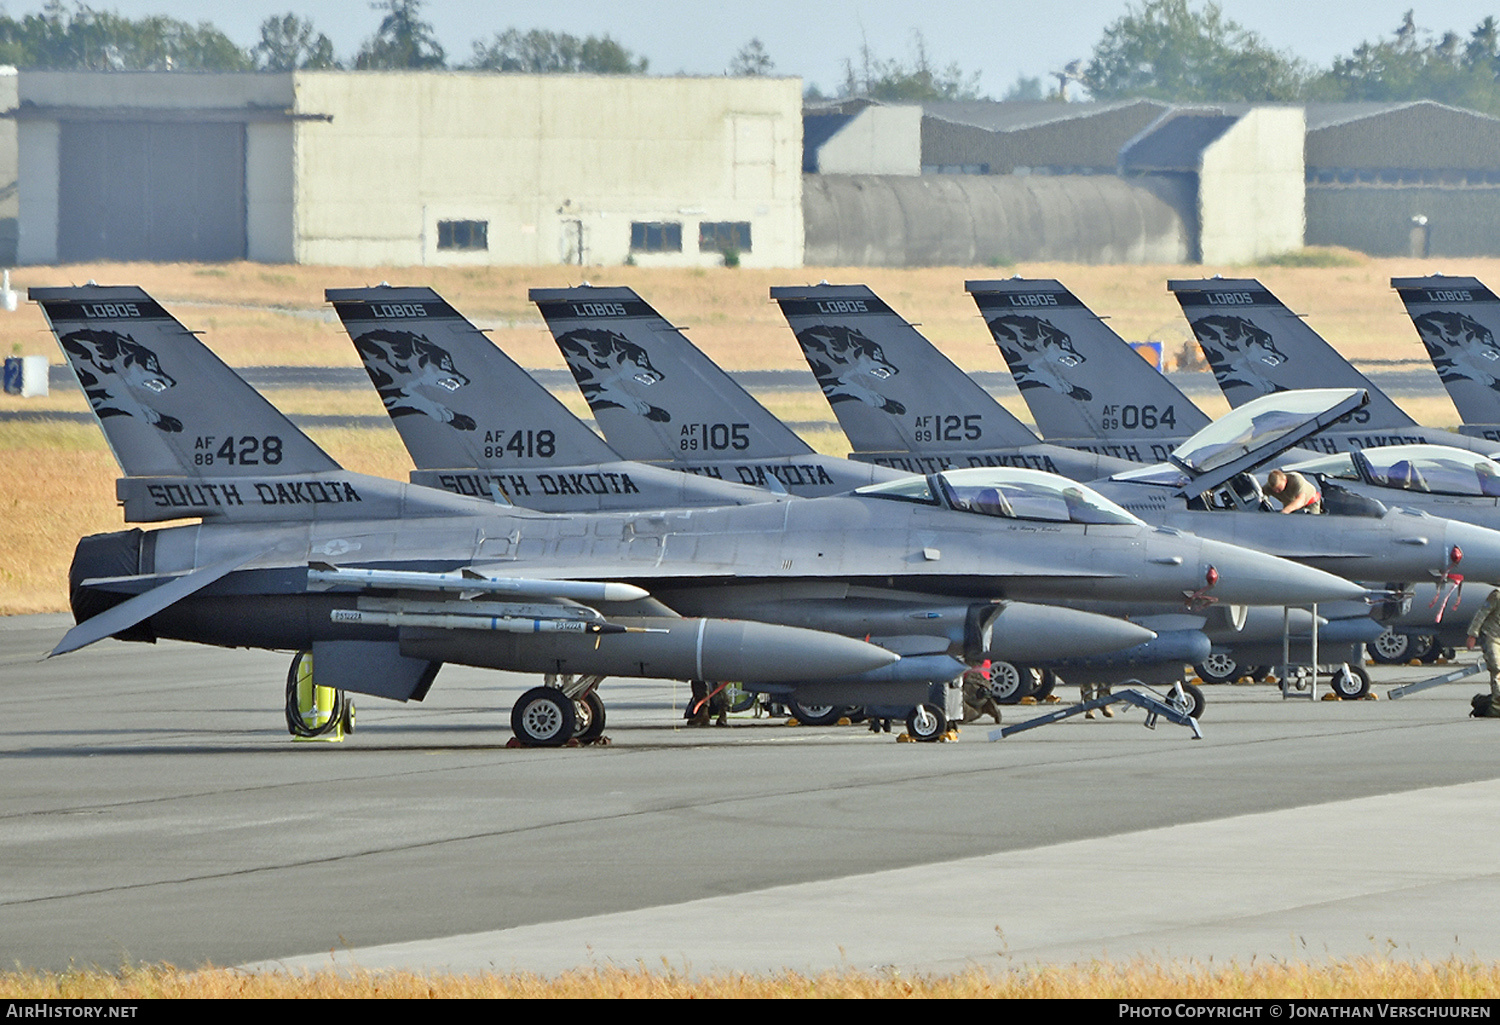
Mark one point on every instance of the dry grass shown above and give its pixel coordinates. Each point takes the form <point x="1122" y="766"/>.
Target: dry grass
<point x="1364" y="978"/>
<point x="58" y="480"/>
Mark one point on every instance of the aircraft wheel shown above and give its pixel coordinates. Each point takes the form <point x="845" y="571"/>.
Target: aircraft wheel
<point x="816" y="715"/>
<point x="1427" y="649"/>
<point x="926" y="723"/>
<point x="1391" y="648"/>
<point x="543" y="717"/>
<point x="589" y="715"/>
<point x="1044" y="689"/>
<point x="1218" y="668"/>
<point x="1350" y="682"/>
<point x="1009" y="683"/>
<point x="1257" y="673"/>
<point x="1190" y="702"/>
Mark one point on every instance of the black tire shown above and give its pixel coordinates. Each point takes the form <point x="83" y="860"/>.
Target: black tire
<point x="1050" y="680"/>
<point x="816" y="715"/>
<point x="1428" y="650"/>
<point x="589" y="718"/>
<point x="926" y="723"/>
<point x="1258" y="673"/>
<point x="1350" y="682"/>
<point x="543" y="717"/>
<point x="1391" y="648"/>
<point x="1191" y="703"/>
<point x="1219" y="668"/>
<point x="1010" y="683"/>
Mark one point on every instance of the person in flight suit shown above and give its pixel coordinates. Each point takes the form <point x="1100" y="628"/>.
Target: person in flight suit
<point x="1485" y="627"/>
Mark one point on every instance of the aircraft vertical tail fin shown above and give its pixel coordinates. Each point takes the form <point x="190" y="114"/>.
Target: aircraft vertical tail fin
<point x="1457" y="320"/>
<point x="1079" y="378"/>
<point x="455" y="398"/>
<point x="1257" y="346"/>
<point x="654" y="395"/>
<point x="890" y="388"/>
<point x="169" y="406"/>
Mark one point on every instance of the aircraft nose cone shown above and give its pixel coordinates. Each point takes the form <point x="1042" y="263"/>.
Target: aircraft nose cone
<point x="1248" y="577"/>
<point x="1027" y="633"/>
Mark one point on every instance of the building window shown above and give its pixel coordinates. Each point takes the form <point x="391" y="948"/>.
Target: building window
<point x="463" y="234"/>
<point x="721" y="236"/>
<point x="656" y="236"/>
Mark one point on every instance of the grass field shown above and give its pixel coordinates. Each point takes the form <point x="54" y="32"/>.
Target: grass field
<point x="1370" y="978"/>
<point x="58" y="478"/>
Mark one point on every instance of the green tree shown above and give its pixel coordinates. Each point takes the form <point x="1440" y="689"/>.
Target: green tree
<point x="403" y="40"/>
<point x="895" y="81"/>
<point x="1167" y="50"/>
<point x="1413" y="65"/>
<point x="543" y="53"/>
<point x="288" y="43"/>
<point x="752" y="61"/>
<point x="80" y="38"/>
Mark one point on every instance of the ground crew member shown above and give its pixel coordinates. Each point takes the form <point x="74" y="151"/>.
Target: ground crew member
<point x="1293" y="491"/>
<point x="1485" y="626"/>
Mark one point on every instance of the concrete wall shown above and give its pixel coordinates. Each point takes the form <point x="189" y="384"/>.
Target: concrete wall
<point x="1376" y="219"/>
<point x="1251" y="188"/>
<point x="879" y="140"/>
<point x="542" y="160"/>
<point x="969" y="220"/>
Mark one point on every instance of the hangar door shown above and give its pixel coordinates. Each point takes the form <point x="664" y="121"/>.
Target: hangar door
<point x="151" y="190"/>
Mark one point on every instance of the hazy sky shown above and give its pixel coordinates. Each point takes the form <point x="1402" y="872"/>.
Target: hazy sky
<point x="1001" y="39"/>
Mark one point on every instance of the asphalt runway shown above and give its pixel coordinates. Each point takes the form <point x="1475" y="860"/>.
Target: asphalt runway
<point x="155" y="810"/>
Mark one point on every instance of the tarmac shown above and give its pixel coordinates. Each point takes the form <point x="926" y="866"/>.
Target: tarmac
<point x="156" y="810"/>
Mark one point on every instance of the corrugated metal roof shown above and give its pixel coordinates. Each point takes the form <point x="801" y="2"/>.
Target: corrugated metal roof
<point x="1010" y="116"/>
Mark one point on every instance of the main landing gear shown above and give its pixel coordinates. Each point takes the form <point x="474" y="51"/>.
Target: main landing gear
<point x="564" y="709"/>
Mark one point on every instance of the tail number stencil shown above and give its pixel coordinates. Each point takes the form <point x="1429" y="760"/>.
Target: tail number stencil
<point x="247" y="450"/>
<point x="938" y="427"/>
<point x="1134" y="418"/>
<point x="714" y="437"/>
<point x="522" y="444"/>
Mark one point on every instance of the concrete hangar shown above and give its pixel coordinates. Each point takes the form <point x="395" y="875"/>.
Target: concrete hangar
<point x="1142" y="181"/>
<point x="404" y="168"/>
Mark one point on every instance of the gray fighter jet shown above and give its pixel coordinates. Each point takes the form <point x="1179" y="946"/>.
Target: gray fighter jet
<point x="1456" y="318"/>
<point x="1257" y="346"/>
<point x="384" y="582"/>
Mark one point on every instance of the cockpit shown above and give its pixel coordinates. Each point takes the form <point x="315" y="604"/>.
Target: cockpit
<point x="1427" y="469"/>
<point x="1006" y="493"/>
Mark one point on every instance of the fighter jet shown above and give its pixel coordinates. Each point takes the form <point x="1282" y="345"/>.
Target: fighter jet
<point x="1456" y="319"/>
<point x="1257" y="346"/>
<point x="384" y="582"/>
<point x="656" y="396"/>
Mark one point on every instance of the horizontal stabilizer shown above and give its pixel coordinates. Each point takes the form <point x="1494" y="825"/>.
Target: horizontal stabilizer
<point x="143" y="606"/>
